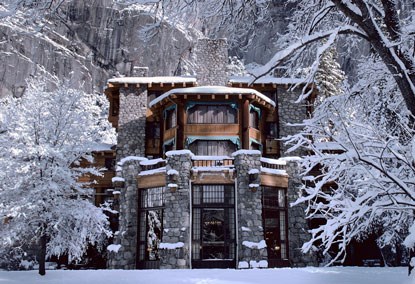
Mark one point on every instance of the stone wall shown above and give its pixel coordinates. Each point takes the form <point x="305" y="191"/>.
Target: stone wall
<point x="297" y="224"/>
<point x="132" y="122"/>
<point x="289" y="112"/>
<point x="210" y="58"/>
<point x="176" y="216"/>
<point x="125" y="258"/>
<point x="249" y="212"/>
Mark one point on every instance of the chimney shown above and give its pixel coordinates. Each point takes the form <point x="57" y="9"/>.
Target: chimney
<point x="211" y="60"/>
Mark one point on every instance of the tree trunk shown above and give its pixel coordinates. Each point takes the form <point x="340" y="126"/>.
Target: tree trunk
<point x="42" y="255"/>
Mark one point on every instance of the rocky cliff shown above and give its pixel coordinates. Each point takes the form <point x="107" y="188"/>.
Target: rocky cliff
<point x="87" y="43"/>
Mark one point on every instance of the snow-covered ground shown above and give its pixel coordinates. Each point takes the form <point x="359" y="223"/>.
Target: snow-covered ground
<point x="310" y="275"/>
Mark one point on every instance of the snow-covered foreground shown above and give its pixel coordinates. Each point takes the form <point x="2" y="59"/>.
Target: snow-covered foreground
<point x="332" y="275"/>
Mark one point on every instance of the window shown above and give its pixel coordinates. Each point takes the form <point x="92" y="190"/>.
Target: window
<point x="151" y="202"/>
<point x="275" y="221"/>
<point x="213" y="147"/>
<point x="218" y="114"/>
<point x="213" y="228"/>
<point x="171" y="117"/>
<point x="254" y="117"/>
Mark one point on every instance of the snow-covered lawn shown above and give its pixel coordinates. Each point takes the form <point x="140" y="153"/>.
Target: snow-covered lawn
<point x="310" y="275"/>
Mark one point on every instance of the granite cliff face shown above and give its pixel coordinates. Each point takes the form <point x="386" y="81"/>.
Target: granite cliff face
<point x="89" y="43"/>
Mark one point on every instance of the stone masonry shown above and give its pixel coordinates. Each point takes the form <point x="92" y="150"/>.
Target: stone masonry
<point x="297" y="225"/>
<point x="290" y="112"/>
<point x="176" y="216"/>
<point x="125" y="258"/>
<point x="132" y="122"/>
<point x="249" y="211"/>
<point x="211" y="59"/>
<point x="130" y="142"/>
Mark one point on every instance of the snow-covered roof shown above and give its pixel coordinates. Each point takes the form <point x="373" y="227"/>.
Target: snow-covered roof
<point x="152" y="80"/>
<point x="209" y="90"/>
<point x="265" y="80"/>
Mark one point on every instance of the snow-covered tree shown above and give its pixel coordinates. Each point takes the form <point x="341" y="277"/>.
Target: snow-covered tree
<point x="386" y="26"/>
<point x="362" y="140"/>
<point x="44" y="137"/>
<point x="362" y="143"/>
<point x="329" y="76"/>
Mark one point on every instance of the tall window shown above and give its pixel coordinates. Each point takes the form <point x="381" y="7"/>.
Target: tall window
<point x="218" y="114"/>
<point x="151" y="202"/>
<point x="171" y="118"/>
<point x="274" y="214"/>
<point x="213" y="233"/>
<point x="254" y="117"/>
<point x="212" y="147"/>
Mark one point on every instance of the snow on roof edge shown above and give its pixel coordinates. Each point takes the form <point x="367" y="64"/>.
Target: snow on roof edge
<point x="154" y="80"/>
<point x="211" y="90"/>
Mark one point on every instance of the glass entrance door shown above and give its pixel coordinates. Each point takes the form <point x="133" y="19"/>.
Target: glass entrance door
<point x="213" y="233"/>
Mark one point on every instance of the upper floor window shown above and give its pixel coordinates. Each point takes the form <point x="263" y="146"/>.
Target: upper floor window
<point x="254" y="116"/>
<point x="217" y="114"/>
<point x="170" y="117"/>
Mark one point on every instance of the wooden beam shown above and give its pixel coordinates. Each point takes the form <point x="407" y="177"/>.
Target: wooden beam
<point x="125" y="85"/>
<point x="185" y="96"/>
<point x="213" y="97"/>
<point x="150" y="85"/>
<point x="226" y="97"/>
<point x="245" y="124"/>
<point x="161" y="85"/>
<point x="198" y="97"/>
<point x="172" y="84"/>
<point x="181" y="123"/>
<point x="137" y="85"/>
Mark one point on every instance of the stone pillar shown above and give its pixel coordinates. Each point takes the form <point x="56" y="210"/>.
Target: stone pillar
<point x="289" y="112"/>
<point x="297" y="224"/>
<point x="252" y="250"/>
<point x="211" y="59"/>
<point x="125" y="258"/>
<point x="176" y="217"/>
<point x="132" y="122"/>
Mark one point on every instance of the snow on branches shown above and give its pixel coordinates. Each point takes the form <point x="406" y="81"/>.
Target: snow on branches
<point x="362" y="144"/>
<point x="44" y="137"/>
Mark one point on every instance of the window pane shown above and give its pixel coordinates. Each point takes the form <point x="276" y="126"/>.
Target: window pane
<point x="218" y="114"/>
<point x="281" y="198"/>
<point x="213" y="194"/>
<point x="282" y="225"/>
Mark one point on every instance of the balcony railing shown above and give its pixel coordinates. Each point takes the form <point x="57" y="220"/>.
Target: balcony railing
<point x="212" y="161"/>
<point x="273" y="164"/>
<point x="152" y="164"/>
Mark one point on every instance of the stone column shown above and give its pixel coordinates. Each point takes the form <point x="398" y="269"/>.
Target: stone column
<point x="289" y="112"/>
<point x="132" y="122"/>
<point x="252" y="250"/>
<point x="176" y="217"/>
<point x="297" y="224"/>
<point x="126" y="238"/>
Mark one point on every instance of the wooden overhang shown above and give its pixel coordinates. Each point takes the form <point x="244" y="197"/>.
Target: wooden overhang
<point x="211" y="93"/>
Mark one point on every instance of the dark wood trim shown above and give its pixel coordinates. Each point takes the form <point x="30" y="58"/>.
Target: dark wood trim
<point x="245" y="124"/>
<point x="181" y="124"/>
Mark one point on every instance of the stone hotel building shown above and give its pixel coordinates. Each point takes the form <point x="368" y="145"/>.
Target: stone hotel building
<point x="201" y="180"/>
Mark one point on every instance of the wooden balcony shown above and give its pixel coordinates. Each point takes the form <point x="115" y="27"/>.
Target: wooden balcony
<point x="211" y="130"/>
<point x="206" y="161"/>
<point x="169" y="134"/>
<point x="255" y="134"/>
